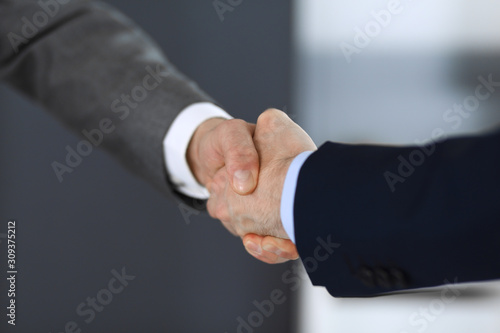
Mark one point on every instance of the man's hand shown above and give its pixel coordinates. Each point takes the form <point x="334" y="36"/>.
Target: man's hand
<point x="278" y="141"/>
<point x="225" y="143"/>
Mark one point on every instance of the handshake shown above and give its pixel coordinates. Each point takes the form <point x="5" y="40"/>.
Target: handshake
<point x="244" y="167"/>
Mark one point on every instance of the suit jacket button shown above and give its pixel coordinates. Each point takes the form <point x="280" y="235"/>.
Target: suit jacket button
<point x="399" y="277"/>
<point x="382" y="277"/>
<point x="365" y="274"/>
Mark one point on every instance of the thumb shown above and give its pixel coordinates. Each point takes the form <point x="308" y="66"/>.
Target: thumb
<point x="241" y="157"/>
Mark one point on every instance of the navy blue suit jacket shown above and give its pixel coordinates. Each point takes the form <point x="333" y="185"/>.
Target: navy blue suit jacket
<point x="374" y="219"/>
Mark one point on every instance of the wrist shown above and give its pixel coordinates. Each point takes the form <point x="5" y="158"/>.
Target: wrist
<point x="288" y="192"/>
<point x="282" y="172"/>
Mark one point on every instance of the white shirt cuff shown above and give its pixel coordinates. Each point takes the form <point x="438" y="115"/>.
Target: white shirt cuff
<point x="288" y="194"/>
<point x="176" y="143"/>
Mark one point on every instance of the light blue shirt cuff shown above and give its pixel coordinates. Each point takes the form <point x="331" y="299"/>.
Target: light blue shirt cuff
<point x="288" y="194"/>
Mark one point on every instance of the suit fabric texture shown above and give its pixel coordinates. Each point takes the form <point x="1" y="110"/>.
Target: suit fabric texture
<point x="438" y="223"/>
<point x="92" y="67"/>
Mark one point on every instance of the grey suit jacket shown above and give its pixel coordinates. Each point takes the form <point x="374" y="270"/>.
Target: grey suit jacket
<point x="93" y="68"/>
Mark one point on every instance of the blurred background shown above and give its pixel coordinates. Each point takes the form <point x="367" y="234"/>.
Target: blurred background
<point x="191" y="274"/>
<point x="395" y="85"/>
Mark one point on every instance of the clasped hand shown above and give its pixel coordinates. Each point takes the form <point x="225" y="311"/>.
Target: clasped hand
<point x="245" y="199"/>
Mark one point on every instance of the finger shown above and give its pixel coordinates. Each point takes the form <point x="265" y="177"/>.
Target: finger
<point x="212" y="200"/>
<point x="273" y="120"/>
<point x="214" y="212"/>
<point x="216" y="204"/>
<point x="254" y="248"/>
<point x="274" y="123"/>
<point x="253" y="245"/>
<point x="240" y="156"/>
<point x="283" y="248"/>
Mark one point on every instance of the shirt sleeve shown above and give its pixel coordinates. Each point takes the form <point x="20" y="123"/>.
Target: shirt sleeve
<point x="288" y="194"/>
<point x="176" y="143"/>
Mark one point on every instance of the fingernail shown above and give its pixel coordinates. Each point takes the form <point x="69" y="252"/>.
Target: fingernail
<point x="243" y="181"/>
<point x="252" y="247"/>
<point x="272" y="249"/>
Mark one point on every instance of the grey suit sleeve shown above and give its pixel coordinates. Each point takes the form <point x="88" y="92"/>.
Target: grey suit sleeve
<point x="93" y="68"/>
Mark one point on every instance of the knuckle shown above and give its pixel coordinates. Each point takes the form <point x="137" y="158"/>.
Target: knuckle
<point x="241" y="150"/>
<point x="222" y="213"/>
<point x="218" y="181"/>
<point x="241" y="154"/>
<point x="210" y="209"/>
<point x="271" y="116"/>
<point x="233" y="125"/>
<point x="242" y="160"/>
<point x="270" y="122"/>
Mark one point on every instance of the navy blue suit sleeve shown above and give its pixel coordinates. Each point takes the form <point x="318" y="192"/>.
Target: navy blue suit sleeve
<point x="375" y="219"/>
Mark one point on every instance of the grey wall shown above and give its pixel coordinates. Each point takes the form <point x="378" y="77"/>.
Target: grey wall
<point x="189" y="277"/>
